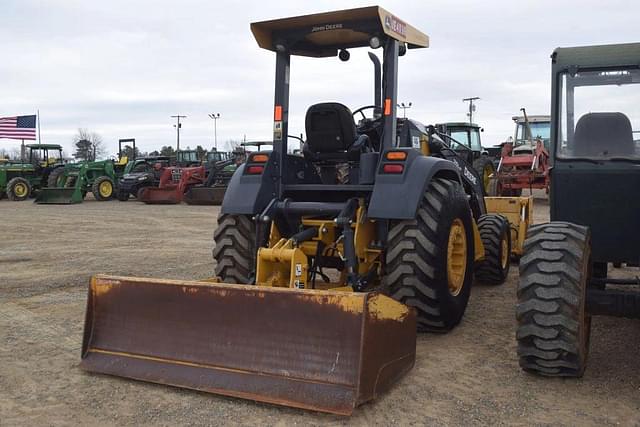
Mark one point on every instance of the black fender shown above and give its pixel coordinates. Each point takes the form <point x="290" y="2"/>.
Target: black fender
<point x="472" y="183"/>
<point x="250" y="194"/>
<point x="397" y="196"/>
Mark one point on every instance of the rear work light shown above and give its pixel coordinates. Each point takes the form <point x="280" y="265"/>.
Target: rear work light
<point x="392" y="168"/>
<point x="255" y="170"/>
<point x="259" y="158"/>
<point x="396" y="155"/>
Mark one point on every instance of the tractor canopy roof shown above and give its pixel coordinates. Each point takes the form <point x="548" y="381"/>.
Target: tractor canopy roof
<point x="323" y="34"/>
<point x="44" y="146"/>
<point x="460" y="125"/>
<point x="532" y="119"/>
<point x="597" y="56"/>
<point x="255" y="143"/>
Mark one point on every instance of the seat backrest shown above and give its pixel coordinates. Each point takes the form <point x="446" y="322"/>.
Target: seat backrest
<point x="603" y="135"/>
<point x="330" y="128"/>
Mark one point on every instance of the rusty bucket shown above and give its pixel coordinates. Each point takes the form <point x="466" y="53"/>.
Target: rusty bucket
<point x="321" y="350"/>
<point x="205" y="195"/>
<point x="168" y="195"/>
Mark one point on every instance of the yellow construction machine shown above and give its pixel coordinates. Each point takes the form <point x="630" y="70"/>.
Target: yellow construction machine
<point x="327" y="261"/>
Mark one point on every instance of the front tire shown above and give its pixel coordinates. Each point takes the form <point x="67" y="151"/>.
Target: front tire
<point x="234" y="249"/>
<point x="429" y="260"/>
<point x="103" y="188"/>
<point x="495" y="234"/>
<point x="553" y="325"/>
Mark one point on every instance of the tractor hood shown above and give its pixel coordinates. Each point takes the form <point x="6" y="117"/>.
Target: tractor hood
<point x="138" y="176"/>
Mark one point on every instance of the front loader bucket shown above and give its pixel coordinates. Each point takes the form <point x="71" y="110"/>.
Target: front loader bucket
<point x="59" y="196"/>
<point x="161" y="196"/>
<point x="205" y="195"/>
<point x="321" y="350"/>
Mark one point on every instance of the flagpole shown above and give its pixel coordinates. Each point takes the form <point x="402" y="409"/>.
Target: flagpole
<point x="38" y="116"/>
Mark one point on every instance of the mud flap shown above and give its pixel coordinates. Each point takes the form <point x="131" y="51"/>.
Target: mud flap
<point x="59" y="196"/>
<point x="321" y="350"/>
<point x="205" y="195"/>
<point x="161" y="196"/>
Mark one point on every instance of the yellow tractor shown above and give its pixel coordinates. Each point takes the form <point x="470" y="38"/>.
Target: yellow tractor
<point x="327" y="261"/>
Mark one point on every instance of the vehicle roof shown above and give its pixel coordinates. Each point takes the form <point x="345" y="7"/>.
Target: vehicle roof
<point x="42" y="146"/>
<point x="322" y="34"/>
<point x="597" y="56"/>
<point x="532" y="119"/>
<point x="255" y="143"/>
<point x="460" y="124"/>
<point x="154" y="158"/>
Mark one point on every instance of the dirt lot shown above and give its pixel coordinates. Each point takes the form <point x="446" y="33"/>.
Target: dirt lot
<point x="470" y="376"/>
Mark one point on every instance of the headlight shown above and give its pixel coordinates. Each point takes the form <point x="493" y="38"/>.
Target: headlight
<point x="142" y="178"/>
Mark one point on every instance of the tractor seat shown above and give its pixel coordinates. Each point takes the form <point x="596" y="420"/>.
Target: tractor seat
<point x="603" y="135"/>
<point x="331" y="135"/>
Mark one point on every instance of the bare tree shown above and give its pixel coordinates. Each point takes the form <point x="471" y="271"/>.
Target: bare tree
<point x="232" y="144"/>
<point x="89" y="145"/>
<point x="15" y="153"/>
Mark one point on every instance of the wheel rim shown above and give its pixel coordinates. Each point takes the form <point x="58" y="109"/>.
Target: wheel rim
<point x="504" y="255"/>
<point x="456" y="257"/>
<point x="20" y="190"/>
<point x="486" y="176"/>
<point x="105" y="189"/>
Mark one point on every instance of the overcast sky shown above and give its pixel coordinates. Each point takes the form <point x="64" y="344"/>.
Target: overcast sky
<point x="122" y="68"/>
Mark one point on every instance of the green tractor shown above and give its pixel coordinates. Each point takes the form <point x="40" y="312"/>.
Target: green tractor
<point x="72" y="183"/>
<point x="19" y="179"/>
<point x="464" y="139"/>
<point x="565" y="270"/>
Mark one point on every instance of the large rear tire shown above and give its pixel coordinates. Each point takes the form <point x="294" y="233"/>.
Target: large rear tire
<point x="234" y="249"/>
<point x="485" y="168"/>
<point x="495" y="234"/>
<point x="429" y="261"/>
<point x="18" y="189"/>
<point x="55" y="178"/>
<point x="553" y="325"/>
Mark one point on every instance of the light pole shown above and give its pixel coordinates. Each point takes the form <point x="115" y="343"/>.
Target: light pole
<point x="404" y="108"/>
<point x="472" y="106"/>
<point x="178" y="126"/>
<point x="215" y="117"/>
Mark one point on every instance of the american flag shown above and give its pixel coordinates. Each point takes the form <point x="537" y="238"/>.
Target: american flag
<point x="18" y="127"/>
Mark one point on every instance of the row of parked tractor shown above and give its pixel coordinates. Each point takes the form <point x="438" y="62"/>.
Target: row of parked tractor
<point x="506" y="169"/>
<point x="519" y="163"/>
<point x="152" y="179"/>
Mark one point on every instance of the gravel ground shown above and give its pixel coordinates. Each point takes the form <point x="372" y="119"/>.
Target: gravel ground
<point x="467" y="377"/>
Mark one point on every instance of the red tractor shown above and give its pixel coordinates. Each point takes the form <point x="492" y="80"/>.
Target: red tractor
<point x="524" y="161"/>
<point x="174" y="182"/>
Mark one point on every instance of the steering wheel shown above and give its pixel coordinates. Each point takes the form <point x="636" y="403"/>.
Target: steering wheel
<point x="367" y="107"/>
